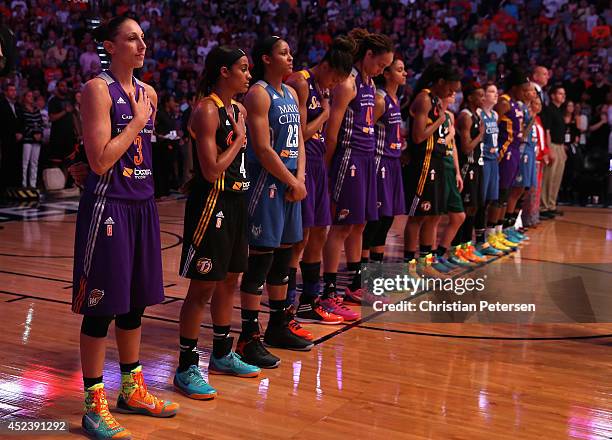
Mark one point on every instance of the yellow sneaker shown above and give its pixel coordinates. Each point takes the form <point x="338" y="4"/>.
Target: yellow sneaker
<point x="502" y="238"/>
<point x="496" y="244"/>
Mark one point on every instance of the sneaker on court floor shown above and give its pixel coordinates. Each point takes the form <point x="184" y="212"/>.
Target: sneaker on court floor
<point x="313" y="312"/>
<point x="284" y="336"/>
<point x="513" y="235"/>
<point x="97" y="421"/>
<point x="433" y="260"/>
<point x="456" y="257"/>
<point x="451" y="266"/>
<point x="335" y="305"/>
<point x="425" y="269"/>
<point x="253" y="352"/>
<point x="504" y="240"/>
<point x="295" y="326"/>
<point x="136" y="399"/>
<point x="353" y="296"/>
<point x="232" y="365"/>
<point x="191" y="383"/>
<point x="488" y="250"/>
<point x="494" y="242"/>
<point x="412" y="269"/>
<point x="469" y="252"/>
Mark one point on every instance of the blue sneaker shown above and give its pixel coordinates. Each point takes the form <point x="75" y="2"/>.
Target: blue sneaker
<point x="514" y="235"/>
<point x="192" y="384"/>
<point x="233" y="365"/>
<point x="488" y="250"/>
<point x="440" y="267"/>
<point x="448" y="264"/>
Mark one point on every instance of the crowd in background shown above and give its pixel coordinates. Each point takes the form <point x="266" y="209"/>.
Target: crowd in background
<point x="56" y="55"/>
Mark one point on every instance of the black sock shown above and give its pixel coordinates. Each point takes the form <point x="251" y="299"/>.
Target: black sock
<point x="509" y="221"/>
<point x="329" y="284"/>
<point x="409" y="256"/>
<point x="377" y="256"/>
<point x="250" y="323"/>
<point x="220" y="340"/>
<point x="310" y="279"/>
<point x="277" y="311"/>
<point x="366" y="260"/>
<point x="441" y="251"/>
<point x="188" y="355"/>
<point x="292" y="278"/>
<point x="355" y="267"/>
<point x="127" y="368"/>
<point x="91" y="381"/>
<point x="424" y="250"/>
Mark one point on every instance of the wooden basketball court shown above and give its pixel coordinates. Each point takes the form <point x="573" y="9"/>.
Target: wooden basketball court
<point x="374" y="379"/>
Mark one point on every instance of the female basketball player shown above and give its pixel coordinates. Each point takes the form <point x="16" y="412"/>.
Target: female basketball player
<point x="276" y="166"/>
<point x="215" y="245"/>
<point x="312" y="86"/>
<point x="117" y="258"/>
<point x="387" y="130"/>
<point x="351" y="146"/>
<point x="424" y="181"/>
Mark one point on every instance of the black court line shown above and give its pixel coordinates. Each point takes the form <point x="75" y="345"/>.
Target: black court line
<point x="576" y="266"/>
<point x="15" y="299"/>
<point x="496" y="338"/>
<point x="19" y="296"/>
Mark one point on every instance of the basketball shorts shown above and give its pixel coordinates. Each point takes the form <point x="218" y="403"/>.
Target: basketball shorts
<point x="490" y="180"/>
<point x="353" y="187"/>
<point x="527" y="174"/>
<point x="117" y="256"/>
<point x="215" y="235"/>
<point x="452" y="196"/>
<point x="424" y="187"/>
<point x="508" y="168"/>
<point x="316" y="205"/>
<point x="472" y="185"/>
<point x="272" y="220"/>
<point x="390" y="200"/>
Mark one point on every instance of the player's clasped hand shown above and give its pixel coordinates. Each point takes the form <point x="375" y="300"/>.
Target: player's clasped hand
<point x="141" y="109"/>
<point x="239" y="128"/>
<point x="296" y="192"/>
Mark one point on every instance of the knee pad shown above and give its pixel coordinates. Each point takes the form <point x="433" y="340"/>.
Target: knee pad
<point x="131" y="320"/>
<point x="279" y="272"/>
<point x="255" y="276"/>
<point x="368" y="234"/>
<point x="95" y="326"/>
<point x="380" y="237"/>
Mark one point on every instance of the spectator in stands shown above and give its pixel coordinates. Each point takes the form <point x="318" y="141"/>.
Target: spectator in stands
<point x="31" y="128"/>
<point x="555" y="131"/>
<point x="9" y="138"/>
<point x="63" y="131"/>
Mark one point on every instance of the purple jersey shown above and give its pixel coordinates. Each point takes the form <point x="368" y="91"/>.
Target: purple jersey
<point x="315" y="146"/>
<point x="357" y="129"/>
<point x="510" y="126"/>
<point x="131" y="177"/>
<point x="388" y="128"/>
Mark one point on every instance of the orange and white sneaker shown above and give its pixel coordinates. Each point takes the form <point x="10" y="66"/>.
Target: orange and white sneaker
<point x="469" y="253"/>
<point x="97" y="421"/>
<point x="295" y="326"/>
<point x="135" y="399"/>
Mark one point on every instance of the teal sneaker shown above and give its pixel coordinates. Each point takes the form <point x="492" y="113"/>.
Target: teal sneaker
<point x="233" y="365"/>
<point x="98" y="422"/>
<point x="191" y="383"/>
<point x="488" y="250"/>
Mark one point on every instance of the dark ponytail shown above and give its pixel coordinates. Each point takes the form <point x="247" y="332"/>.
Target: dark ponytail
<point x="262" y="47"/>
<point x="339" y="56"/>
<point x="218" y="57"/>
<point x="380" y="79"/>
<point x="364" y="41"/>
<point x="433" y="73"/>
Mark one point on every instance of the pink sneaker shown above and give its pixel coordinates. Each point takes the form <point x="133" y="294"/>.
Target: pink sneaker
<point x="336" y="306"/>
<point x="353" y="296"/>
<point x="370" y="298"/>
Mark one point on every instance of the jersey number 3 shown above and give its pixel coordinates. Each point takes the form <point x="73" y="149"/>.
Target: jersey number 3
<point x="139" y="158"/>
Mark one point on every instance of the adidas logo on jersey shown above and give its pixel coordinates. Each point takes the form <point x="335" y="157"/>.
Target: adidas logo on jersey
<point x="109" y="221"/>
<point x="220" y="218"/>
<point x="121" y="100"/>
<point x="227" y="122"/>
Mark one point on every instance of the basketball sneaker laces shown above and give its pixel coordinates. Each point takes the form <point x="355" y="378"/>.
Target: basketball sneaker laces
<point x="99" y="405"/>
